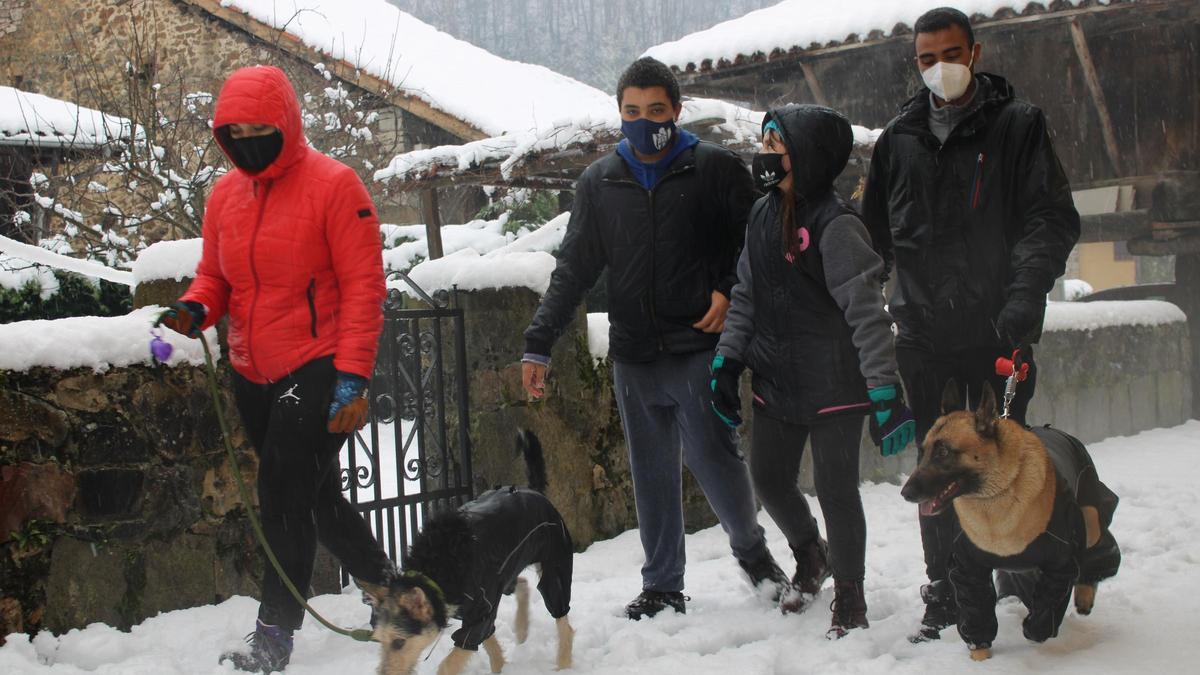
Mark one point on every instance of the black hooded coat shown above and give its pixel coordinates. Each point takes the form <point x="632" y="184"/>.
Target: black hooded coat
<point x="802" y="350"/>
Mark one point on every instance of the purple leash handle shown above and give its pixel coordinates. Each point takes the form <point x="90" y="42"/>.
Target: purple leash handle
<point x="160" y="349"/>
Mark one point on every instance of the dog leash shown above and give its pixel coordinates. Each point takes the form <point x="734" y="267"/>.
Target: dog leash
<point x="360" y="634"/>
<point x="1015" y="369"/>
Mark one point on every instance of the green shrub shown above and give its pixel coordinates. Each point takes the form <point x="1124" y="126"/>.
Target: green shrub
<point x="76" y="296"/>
<point x="525" y="208"/>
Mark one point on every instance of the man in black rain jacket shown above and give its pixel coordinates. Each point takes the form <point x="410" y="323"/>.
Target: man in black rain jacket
<point x="967" y="202"/>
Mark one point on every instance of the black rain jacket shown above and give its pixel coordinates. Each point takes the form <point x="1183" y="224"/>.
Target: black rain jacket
<point x="667" y="250"/>
<point x="513" y="528"/>
<point x="986" y="217"/>
<point x="1048" y="569"/>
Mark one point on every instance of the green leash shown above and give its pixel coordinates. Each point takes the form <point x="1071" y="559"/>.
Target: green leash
<point x="360" y="634"/>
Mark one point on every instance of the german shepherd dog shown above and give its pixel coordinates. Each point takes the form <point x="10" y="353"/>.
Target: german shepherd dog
<point x="1030" y="505"/>
<point x="460" y="564"/>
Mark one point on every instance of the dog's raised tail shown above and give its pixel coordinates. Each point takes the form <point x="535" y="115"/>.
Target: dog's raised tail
<point x="535" y="462"/>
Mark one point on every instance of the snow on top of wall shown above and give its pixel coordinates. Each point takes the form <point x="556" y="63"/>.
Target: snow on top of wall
<point x="40" y="121"/>
<point x="525" y="262"/>
<point x="490" y="93"/>
<point x="168" y="260"/>
<point x="467" y="270"/>
<point x="807" y="22"/>
<point x="1061" y="316"/>
<point x="93" y="342"/>
<point x="597" y="323"/>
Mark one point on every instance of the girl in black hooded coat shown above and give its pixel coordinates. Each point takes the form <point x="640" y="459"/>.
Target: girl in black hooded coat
<point x="807" y="318"/>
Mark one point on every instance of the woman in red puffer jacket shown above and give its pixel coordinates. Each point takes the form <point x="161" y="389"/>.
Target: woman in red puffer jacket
<point x="292" y="255"/>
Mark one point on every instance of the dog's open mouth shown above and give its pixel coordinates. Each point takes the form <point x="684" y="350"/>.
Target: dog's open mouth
<point x="934" y="506"/>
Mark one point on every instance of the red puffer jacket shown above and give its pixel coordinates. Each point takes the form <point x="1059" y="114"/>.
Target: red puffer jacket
<point x="292" y="252"/>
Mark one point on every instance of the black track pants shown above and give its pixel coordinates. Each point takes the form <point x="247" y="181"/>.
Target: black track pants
<point x="299" y="491"/>
<point x="925" y="376"/>
<point x="775" y="451"/>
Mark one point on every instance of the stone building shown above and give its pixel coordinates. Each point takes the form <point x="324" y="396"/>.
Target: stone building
<point x="101" y="53"/>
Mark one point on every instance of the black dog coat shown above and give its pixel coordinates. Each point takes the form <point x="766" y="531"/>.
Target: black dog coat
<point x="1044" y="574"/>
<point x="513" y="528"/>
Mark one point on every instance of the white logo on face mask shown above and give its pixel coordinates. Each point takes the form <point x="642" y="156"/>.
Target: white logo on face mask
<point x="948" y="81"/>
<point x="661" y="138"/>
<point x="767" y="177"/>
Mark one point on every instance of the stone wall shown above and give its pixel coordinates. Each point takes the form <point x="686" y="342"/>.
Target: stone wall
<point x="117" y="498"/>
<point x="1113" y="381"/>
<point x="79" y="51"/>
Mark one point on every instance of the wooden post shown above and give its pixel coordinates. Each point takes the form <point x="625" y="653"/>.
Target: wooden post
<point x="1092" y="79"/>
<point x="1187" y="296"/>
<point x="433" y="222"/>
<point x="810" y="78"/>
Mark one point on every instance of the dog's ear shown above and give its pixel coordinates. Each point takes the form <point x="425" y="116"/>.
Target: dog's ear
<point x="417" y="604"/>
<point x="951" y="398"/>
<point x="985" y="415"/>
<point x="374" y="592"/>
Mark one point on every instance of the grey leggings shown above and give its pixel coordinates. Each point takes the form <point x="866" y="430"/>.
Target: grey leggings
<point x="775" y="451"/>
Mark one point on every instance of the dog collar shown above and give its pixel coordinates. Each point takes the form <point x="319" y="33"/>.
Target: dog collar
<point x="417" y="576"/>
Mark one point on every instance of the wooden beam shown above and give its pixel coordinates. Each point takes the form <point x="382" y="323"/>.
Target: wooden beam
<point x="1121" y="226"/>
<point x="1092" y="78"/>
<point x="343" y="70"/>
<point x="810" y="78"/>
<point x="433" y="222"/>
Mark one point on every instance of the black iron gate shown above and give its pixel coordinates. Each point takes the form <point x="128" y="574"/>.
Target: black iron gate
<point x="414" y="456"/>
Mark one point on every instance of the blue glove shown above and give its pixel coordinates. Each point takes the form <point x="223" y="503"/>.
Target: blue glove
<point x="892" y="424"/>
<point x="726" y="398"/>
<point x="348" y="411"/>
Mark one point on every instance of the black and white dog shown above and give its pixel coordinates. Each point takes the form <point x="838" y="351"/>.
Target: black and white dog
<point x="464" y="560"/>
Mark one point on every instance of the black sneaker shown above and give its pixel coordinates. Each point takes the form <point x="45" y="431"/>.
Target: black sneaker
<point x="940" y="611"/>
<point x="766" y="577"/>
<point x="270" y="650"/>
<point x="648" y="603"/>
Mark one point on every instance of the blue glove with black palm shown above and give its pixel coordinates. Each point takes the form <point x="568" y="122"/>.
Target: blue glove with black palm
<point x="348" y="410"/>
<point x="726" y="397"/>
<point x="892" y="424"/>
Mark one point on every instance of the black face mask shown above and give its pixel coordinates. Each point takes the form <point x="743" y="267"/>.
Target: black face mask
<point x="768" y="170"/>
<point x="255" y="153"/>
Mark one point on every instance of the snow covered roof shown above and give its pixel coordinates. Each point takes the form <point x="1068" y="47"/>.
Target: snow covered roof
<point x="801" y="25"/>
<point x="564" y="147"/>
<point x="34" y="120"/>
<point x="490" y="94"/>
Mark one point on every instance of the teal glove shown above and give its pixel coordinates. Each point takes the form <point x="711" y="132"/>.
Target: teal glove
<point x="726" y="399"/>
<point x="892" y="424"/>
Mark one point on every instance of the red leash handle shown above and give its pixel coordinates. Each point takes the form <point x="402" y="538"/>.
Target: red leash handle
<point x="1005" y="367"/>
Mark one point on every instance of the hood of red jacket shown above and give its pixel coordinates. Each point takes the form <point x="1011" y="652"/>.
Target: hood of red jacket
<point x="263" y="95"/>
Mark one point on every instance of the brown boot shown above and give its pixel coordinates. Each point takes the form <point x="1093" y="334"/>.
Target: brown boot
<point x="812" y="569"/>
<point x="849" y="608"/>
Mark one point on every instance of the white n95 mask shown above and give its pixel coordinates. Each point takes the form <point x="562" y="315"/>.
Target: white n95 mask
<point x="947" y="81"/>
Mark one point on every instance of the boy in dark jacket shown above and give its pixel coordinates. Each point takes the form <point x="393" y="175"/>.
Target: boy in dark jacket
<point x="967" y="200"/>
<point x="666" y="213"/>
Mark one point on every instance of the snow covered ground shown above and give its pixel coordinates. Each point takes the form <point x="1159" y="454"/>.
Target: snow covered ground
<point x="1144" y="621"/>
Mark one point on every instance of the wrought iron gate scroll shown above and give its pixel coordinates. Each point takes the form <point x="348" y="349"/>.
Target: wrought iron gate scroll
<point x="414" y="456"/>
